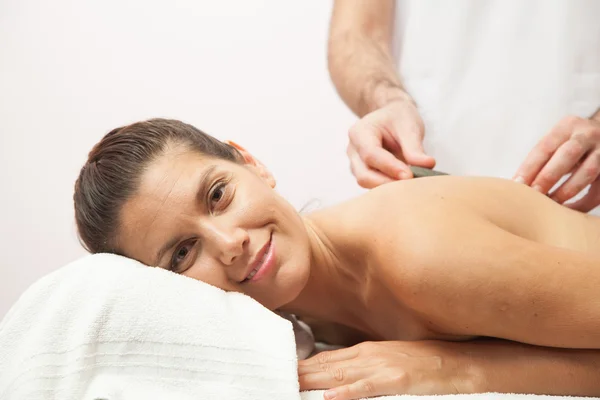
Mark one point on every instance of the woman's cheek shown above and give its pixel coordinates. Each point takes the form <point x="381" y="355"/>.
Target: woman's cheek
<point x="214" y="276"/>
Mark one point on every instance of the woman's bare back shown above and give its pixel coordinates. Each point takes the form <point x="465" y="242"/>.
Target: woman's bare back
<point x="400" y="225"/>
<point x="513" y="207"/>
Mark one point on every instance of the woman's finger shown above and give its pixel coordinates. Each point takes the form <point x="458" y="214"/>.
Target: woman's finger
<point x="361" y="389"/>
<point x="334" y="377"/>
<point x="310" y="367"/>
<point x="561" y="163"/>
<point x="583" y="176"/>
<point x="326" y="357"/>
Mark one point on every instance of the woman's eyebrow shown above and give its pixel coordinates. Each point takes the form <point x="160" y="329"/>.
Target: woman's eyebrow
<point x="203" y="186"/>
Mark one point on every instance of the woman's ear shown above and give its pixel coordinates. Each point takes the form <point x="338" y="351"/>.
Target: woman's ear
<point x="253" y="162"/>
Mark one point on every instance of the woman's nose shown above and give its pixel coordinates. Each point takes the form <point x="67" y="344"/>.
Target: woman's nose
<point x="230" y="242"/>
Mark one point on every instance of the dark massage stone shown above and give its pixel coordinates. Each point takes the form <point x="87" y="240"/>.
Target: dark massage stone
<point x="419" y="172"/>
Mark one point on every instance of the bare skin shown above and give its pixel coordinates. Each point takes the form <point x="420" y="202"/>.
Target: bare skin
<point x="425" y="267"/>
<point x="464" y="258"/>
<point x="453" y="239"/>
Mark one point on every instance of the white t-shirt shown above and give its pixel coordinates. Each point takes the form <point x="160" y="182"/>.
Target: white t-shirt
<point x="491" y="77"/>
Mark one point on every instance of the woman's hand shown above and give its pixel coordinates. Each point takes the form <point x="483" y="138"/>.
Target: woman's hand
<point x="436" y="367"/>
<point x="387" y="368"/>
<point x="572" y="146"/>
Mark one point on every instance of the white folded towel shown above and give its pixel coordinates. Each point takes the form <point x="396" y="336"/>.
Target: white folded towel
<point x="318" y="395"/>
<point x="106" y="327"/>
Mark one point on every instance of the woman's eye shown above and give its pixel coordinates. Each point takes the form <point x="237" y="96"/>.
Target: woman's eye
<point x="218" y="193"/>
<point x="180" y="255"/>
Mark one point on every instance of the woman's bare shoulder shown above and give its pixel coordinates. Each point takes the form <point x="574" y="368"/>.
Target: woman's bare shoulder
<point x="412" y="210"/>
<point x="410" y="213"/>
<point x="501" y="201"/>
<point x="459" y="188"/>
<point x="421" y="199"/>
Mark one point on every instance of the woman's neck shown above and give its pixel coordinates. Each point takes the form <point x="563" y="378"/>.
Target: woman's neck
<point x="339" y="276"/>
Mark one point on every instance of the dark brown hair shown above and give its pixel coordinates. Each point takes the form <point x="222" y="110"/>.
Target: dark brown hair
<point x="112" y="173"/>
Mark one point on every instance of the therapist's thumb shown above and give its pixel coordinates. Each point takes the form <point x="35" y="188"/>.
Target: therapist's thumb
<point x="413" y="152"/>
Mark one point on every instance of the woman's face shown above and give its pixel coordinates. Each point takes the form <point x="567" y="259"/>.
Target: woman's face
<point x="219" y="222"/>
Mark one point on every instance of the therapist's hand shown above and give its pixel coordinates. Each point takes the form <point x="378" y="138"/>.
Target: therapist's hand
<point x="572" y="146"/>
<point x="384" y="141"/>
<point x="374" y="369"/>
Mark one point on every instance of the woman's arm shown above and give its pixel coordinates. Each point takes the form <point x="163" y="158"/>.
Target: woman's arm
<point x="436" y="367"/>
<point x="510" y="367"/>
<point x="474" y="278"/>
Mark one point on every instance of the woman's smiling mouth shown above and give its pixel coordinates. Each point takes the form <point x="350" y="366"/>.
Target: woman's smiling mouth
<point x="263" y="262"/>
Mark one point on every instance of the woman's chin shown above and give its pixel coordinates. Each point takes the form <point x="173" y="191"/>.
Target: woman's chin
<point x="282" y="287"/>
<point x="283" y="295"/>
<point x="292" y="291"/>
<point x="280" y="299"/>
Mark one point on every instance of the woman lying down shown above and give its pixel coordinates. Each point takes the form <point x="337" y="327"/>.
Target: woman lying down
<point x="451" y="284"/>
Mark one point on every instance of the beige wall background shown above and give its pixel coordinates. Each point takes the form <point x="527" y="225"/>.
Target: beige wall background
<point x="71" y="70"/>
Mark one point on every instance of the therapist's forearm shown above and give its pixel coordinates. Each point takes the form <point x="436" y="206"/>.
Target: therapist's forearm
<point x="508" y="367"/>
<point x="359" y="56"/>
